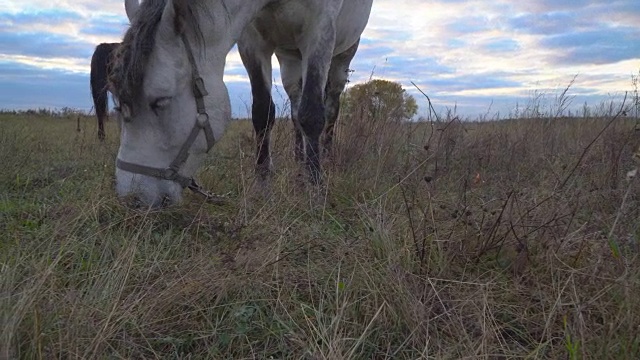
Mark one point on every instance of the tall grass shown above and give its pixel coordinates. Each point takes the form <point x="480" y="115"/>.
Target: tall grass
<point x="448" y="239"/>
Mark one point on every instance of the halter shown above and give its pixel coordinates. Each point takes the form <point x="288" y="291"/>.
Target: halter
<point x="171" y="173"/>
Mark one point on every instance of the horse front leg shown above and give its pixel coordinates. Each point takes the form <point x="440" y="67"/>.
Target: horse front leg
<point x="311" y="117"/>
<point x="263" y="117"/>
<point x="256" y="56"/>
<point x="312" y="110"/>
<point x="336" y="82"/>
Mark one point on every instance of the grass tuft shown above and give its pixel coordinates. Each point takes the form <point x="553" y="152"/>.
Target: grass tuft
<point x="448" y="239"/>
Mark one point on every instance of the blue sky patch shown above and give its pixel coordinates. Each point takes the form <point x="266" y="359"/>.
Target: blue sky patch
<point x="472" y="54"/>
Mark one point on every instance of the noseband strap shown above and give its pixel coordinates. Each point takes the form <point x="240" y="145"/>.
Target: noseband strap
<point x="202" y="123"/>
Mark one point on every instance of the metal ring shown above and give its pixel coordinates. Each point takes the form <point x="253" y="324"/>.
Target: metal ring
<point x="202" y="119"/>
<point x="169" y="174"/>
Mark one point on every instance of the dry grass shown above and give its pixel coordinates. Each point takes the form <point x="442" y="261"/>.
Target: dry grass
<point x="510" y="239"/>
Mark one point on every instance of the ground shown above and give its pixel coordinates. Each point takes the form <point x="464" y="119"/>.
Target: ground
<point x="444" y="240"/>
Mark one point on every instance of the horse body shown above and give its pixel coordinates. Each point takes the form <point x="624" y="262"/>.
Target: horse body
<point x="314" y="42"/>
<point x="100" y="61"/>
<point x="164" y="84"/>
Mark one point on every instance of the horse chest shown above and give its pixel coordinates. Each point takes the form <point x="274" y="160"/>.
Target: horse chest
<point x="293" y="24"/>
<point x="281" y="29"/>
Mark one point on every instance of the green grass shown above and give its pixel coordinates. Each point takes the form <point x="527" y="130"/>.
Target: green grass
<point x="457" y="240"/>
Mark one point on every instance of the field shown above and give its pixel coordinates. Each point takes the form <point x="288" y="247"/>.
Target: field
<point x="445" y="240"/>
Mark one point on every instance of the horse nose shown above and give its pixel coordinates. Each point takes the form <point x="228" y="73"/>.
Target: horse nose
<point x="139" y="201"/>
<point x="140" y="191"/>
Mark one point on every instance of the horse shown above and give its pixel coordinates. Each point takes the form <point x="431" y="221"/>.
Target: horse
<point x="100" y="68"/>
<point x="174" y="105"/>
<point x="100" y="61"/>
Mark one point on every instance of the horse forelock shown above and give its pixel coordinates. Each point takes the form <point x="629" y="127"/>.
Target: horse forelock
<point x="132" y="56"/>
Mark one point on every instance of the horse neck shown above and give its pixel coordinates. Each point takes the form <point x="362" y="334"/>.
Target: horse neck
<point x="221" y="25"/>
<point x="230" y="17"/>
<point x="242" y="12"/>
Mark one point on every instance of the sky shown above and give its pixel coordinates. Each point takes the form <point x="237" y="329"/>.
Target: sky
<point x="475" y="57"/>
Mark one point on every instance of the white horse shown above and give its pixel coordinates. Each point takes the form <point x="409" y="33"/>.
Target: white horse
<point x="168" y="83"/>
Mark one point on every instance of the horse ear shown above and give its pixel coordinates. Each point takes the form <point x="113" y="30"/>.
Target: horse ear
<point x="131" y="8"/>
<point x="180" y="9"/>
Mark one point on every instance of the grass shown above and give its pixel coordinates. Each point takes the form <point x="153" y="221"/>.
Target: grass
<point x="507" y="239"/>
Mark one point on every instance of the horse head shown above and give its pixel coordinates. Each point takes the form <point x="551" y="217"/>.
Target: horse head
<point x="167" y="82"/>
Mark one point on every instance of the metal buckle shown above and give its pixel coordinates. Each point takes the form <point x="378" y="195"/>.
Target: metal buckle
<point x="198" y="87"/>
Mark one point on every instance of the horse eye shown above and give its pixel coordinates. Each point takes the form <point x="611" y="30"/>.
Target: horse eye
<point x="160" y="102"/>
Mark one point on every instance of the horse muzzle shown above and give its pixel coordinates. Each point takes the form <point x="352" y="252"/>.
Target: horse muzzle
<point x="143" y="191"/>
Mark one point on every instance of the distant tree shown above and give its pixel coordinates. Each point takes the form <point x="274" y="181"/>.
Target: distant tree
<point x="380" y="100"/>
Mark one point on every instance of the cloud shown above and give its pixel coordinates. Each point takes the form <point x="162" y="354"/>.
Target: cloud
<point x="39" y="44"/>
<point x="48" y="16"/>
<point x="544" y="23"/>
<point x="461" y="84"/>
<point x="468" y="53"/>
<point x="556" y="5"/>
<point x="111" y="26"/>
<point x="596" y="46"/>
<point x="24" y="87"/>
<point x="501" y="45"/>
<point x="470" y="25"/>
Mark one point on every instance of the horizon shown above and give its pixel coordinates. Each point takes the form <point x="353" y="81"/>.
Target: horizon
<point x="471" y="56"/>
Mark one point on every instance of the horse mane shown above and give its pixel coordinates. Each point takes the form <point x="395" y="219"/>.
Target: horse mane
<point x="132" y="56"/>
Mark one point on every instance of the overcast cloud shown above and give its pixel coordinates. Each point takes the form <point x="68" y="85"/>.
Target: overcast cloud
<point x="470" y="54"/>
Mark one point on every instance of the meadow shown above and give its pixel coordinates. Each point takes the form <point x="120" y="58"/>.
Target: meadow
<point x="435" y="240"/>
